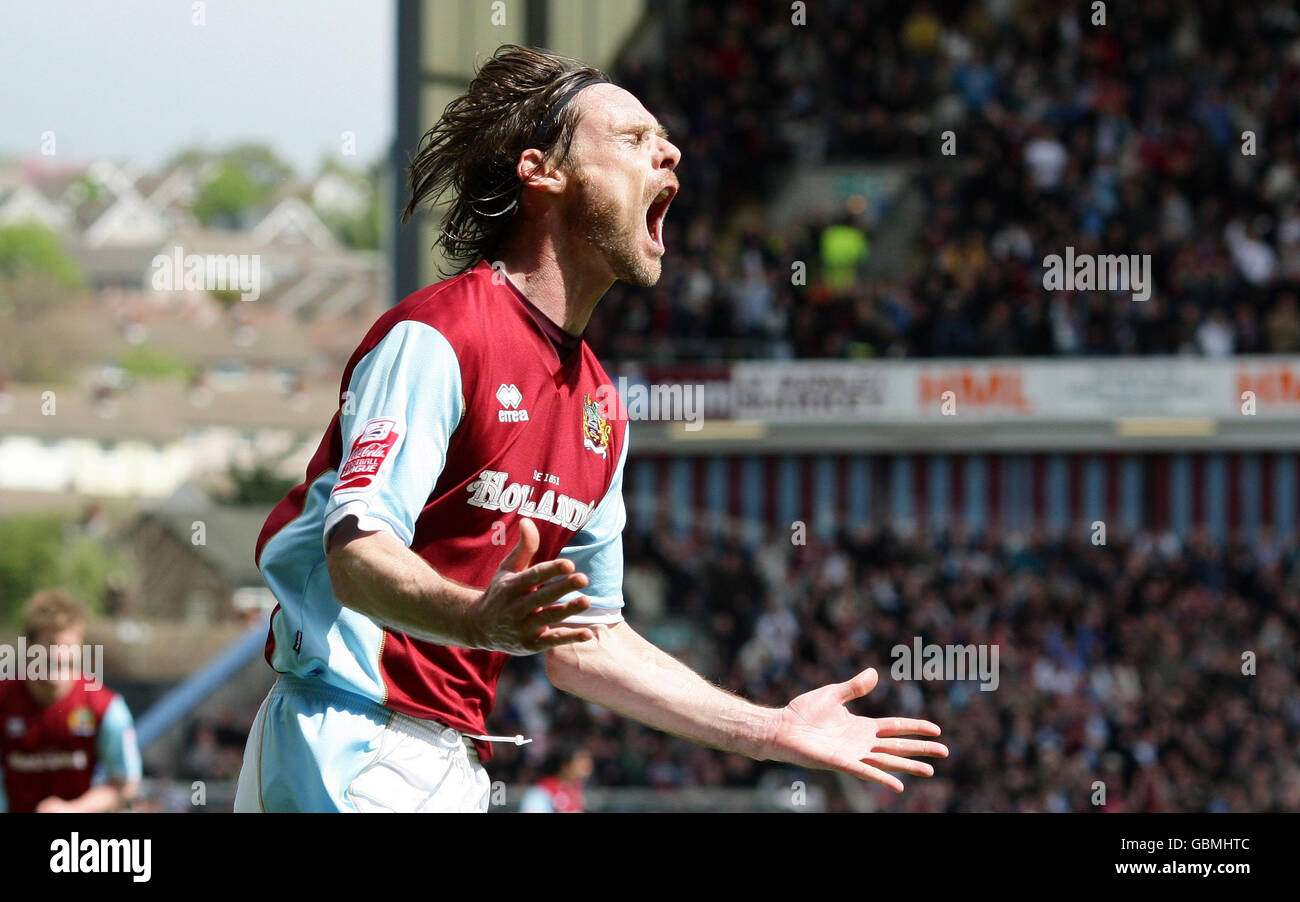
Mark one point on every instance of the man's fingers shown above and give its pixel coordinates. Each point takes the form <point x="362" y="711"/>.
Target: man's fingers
<point x="523" y="581"/>
<point x="859" y="686"/>
<point x="903" y="726"/>
<point x="901" y="765"/>
<point x="912" y="747"/>
<point x="556" y="636"/>
<point x="548" y="594"/>
<point x="555" y="613"/>
<point x="864" y="771"/>
<point x="522" y="554"/>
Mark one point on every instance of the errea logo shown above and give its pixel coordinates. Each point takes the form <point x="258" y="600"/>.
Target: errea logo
<point x="510" y="398"/>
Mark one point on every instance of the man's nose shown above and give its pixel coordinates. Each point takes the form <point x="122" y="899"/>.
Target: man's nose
<point x="669" y="155"/>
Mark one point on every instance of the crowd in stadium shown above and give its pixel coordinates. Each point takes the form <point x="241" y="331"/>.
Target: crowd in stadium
<point x="1066" y="134"/>
<point x="1124" y="664"/>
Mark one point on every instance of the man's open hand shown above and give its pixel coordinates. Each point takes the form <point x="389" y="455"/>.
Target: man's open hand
<point x="515" y="616"/>
<point x="816" y="730"/>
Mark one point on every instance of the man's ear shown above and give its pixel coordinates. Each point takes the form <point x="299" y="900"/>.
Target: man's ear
<point x="533" y="172"/>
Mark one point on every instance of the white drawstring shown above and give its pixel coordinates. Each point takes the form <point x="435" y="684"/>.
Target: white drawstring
<point x="515" y="740"/>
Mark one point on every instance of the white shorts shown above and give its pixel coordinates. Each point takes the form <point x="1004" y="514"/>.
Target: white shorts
<point x="313" y="747"/>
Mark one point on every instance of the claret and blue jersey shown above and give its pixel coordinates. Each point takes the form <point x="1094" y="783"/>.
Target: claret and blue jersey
<point x="62" y="749"/>
<point x="463" y="410"/>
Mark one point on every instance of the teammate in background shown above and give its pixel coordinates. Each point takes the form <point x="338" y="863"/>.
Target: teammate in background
<point x="559" y="791"/>
<point x="473" y="416"/>
<point x="66" y="743"/>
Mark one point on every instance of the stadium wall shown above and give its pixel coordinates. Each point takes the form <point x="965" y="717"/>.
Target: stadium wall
<point x="745" y="495"/>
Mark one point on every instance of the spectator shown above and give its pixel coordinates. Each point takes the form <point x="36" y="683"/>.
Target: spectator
<point x="560" y="789"/>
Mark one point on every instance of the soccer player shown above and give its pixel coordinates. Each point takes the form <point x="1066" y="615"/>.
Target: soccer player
<point x="560" y="790"/>
<point x="67" y="743"/>
<point x="465" y="503"/>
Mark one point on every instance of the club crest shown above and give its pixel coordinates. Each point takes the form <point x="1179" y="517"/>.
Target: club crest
<point x="81" y="722"/>
<point x="595" y="428"/>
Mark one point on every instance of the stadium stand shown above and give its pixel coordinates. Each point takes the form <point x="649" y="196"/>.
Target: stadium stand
<point x="1127" y="139"/>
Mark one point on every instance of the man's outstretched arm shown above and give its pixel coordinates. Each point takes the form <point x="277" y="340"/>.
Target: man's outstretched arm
<point x="622" y="671"/>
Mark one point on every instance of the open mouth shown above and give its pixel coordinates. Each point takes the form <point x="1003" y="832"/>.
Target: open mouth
<point x="654" y="216"/>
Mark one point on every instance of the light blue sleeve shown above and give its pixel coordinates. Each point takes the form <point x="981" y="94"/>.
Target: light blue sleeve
<point x="4" y="797"/>
<point x="116" y="747"/>
<point x="536" y="801"/>
<point x="403" y="402"/>
<point x="597" y="550"/>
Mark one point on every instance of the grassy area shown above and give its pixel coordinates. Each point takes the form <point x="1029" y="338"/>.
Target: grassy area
<point x="145" y="362"/>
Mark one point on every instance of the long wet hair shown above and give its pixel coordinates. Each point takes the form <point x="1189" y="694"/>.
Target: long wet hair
<point x="519" y="99"/>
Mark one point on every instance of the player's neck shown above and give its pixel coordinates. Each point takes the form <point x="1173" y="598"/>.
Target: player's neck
<point x="47" y="692"/>
<point x="565" y="286"/>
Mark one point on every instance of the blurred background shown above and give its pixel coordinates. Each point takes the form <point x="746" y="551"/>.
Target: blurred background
<point x="905" y="433"/>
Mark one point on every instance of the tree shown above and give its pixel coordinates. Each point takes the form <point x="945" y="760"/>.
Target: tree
<point x="266" y="170"/>
<point x="31" y="249"/>
<point x="36" y="276"/>
<point x="227" y="196"/>
<point x="362" y="230"/>
<point x="358" y="232"/>
<point x="257" y="484"/>
<point x="29" y="559"/>
<point x="241" y="178"/>
<point x="47" y="551"/>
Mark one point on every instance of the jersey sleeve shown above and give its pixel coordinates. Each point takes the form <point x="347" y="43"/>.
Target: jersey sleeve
<point x="597" y="550"/>
<point x="403" y="402"/>
<point x="536" y="801"/>
<point x="116" y="747"/>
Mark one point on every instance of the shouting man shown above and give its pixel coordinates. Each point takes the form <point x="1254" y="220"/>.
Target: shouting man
<point x="471" y="416"/>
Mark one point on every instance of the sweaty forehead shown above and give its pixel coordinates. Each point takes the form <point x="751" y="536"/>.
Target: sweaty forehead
<point x="605" y="108"/>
